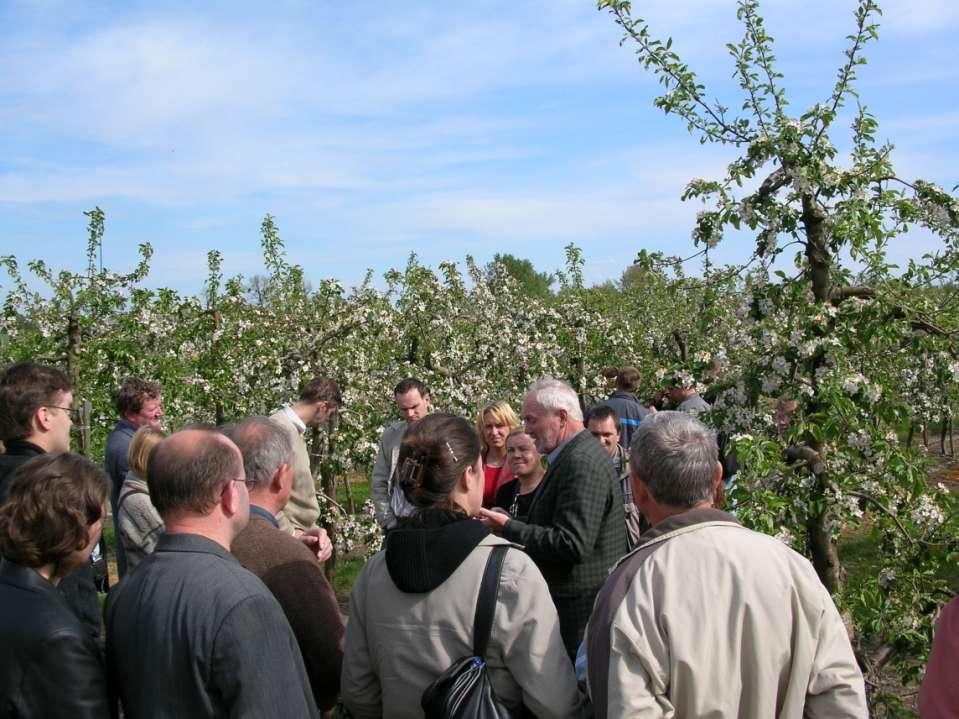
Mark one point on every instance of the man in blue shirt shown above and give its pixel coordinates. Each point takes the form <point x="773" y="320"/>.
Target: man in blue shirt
<point x="138" y="403"/>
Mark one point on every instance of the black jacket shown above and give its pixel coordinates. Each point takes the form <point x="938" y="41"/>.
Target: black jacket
<point x="17" y="452"/>
<point x="49" y="665"/>
<point x="79" y="588"/>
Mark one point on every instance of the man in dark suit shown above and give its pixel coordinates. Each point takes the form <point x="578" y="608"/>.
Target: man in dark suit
<point x="575" y="531"/>
<point x="191" y="632"/>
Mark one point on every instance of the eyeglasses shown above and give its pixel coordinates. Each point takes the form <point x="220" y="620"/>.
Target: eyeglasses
<point x="74" y="413"/>
<point x="248" y="482"/>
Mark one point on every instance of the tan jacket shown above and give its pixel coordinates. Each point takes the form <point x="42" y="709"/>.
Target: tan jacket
<point x="397" y="643"/>
<point x="303" y="509"/>
<point x="708" y="618"/>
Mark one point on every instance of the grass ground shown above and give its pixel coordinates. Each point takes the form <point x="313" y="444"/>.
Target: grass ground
<point x="348" y="567"/>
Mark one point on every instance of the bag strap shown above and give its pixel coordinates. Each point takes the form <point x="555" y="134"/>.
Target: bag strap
<point x="123" y="497"/>
<point x="486" y="602"/>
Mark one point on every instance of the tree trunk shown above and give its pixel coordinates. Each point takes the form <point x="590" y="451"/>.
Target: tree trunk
<point x="328" y="487"/>
<point x="825" y="555"/>
<point x="822" y="547"/>
<point x="350" y="500"/>
<point x="73" y="372"/>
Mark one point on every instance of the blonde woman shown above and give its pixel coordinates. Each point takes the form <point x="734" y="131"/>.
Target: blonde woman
<point x="494" y="424"/>
<point x="137" y="520"/>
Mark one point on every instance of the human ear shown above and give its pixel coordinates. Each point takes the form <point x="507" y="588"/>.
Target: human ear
<point x="230" y="498"/>
<point x="41" y="419"/>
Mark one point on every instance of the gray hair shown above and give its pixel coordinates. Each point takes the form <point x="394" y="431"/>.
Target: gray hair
<point x="675" y="455"/>
<point x="264" y="444"/>
<point x="554" y="395"/>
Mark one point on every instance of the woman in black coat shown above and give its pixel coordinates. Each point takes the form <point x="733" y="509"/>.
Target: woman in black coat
<point x="49" y="523"/>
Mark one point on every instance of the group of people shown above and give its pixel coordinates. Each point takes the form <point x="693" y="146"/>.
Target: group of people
<point x="618" y="561"/>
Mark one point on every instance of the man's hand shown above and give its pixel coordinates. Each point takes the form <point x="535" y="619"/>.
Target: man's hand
<point x="494" y="518"/>
<point x="317" y="541"/>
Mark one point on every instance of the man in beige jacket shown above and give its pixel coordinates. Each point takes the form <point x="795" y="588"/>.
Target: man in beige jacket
<point x="319" y="400"/>
<point x="708" y="618"/>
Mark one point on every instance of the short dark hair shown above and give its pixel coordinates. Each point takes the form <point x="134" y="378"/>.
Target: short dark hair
<point x="675" y="456"/>
<point x="434" y="453"/>
<point x="264" y="444"/>
<point x="131" y="395"/>
<point x="322" y="389"/>
<point x="24" y="388"/>
<point x="600" y="412"/>
<point x="627" y="378"/>
<point x="51" y="502"/>
<point x="410" y="383"/>
<point x="190" y="478"/>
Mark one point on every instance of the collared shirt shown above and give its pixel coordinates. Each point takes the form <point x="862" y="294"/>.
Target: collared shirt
<point x="193" y="633"/>
<point x="264" y="514"/>
<point x="551" y="457"/>
<point x="295" y="419"/>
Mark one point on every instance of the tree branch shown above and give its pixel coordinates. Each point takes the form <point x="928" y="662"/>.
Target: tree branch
<point x="812" y="458"/>
<point x="885" y="510"/>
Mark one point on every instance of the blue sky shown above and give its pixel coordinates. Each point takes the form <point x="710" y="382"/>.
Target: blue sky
<point x="374" y="129"/>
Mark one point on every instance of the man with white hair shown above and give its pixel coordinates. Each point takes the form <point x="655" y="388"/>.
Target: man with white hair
<point x="575" y="529"/>
<point x="706" y="617"/>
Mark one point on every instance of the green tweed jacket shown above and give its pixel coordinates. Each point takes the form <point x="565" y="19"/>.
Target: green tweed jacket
<point x="575" y="531"/>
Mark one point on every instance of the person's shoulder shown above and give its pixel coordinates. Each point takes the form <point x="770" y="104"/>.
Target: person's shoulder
<point x="282" y="419"/>
<point x="394" y="430"/>
<point x="121" y="431"/>
<point x="584" y="448"/>
<point x="506" y="491"/>
<point x="519" y="570"/>
<point x="276" y="545"/>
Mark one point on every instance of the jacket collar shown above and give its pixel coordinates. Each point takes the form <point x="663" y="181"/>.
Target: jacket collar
<point x="25" y="578"/>
<point x="684" y="521"/>
<point x="557" y="452"/>
<point x="264" y="514"/>
<point x="553" y="459"/>
<point x="125" y="426"/>
<point x="191" y="543"/>
<point x="23" y="448"/>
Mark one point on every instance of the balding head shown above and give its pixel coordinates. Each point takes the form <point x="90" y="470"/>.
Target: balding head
<point x="189" y="469"/>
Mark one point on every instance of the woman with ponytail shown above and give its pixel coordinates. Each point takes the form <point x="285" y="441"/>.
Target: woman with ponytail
<point x="412" y="606"/>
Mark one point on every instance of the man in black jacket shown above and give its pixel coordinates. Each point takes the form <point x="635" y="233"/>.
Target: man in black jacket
<point x="36" y="415"/>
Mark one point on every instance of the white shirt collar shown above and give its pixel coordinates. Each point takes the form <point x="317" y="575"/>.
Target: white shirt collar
<point x="295" y="419"/>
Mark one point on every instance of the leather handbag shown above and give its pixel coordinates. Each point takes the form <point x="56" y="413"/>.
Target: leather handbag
<point x="464" y="691"/>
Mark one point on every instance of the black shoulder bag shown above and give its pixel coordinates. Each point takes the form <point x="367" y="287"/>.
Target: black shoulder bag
<point x="464" y="691"/>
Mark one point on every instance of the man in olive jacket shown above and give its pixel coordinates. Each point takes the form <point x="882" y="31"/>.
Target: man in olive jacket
<point x="575" y="531"/>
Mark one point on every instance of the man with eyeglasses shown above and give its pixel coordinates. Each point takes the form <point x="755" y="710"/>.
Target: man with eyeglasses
<point x="35" y="418"/>
<point x="319" y="401"/>
<point x="191" y="632"/>
<point x="288" y="569"/>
